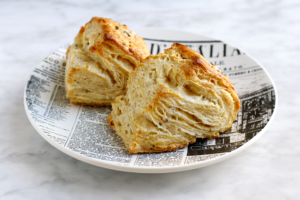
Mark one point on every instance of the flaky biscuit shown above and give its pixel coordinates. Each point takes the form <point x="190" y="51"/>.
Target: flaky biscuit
<point x="99" y="61"/>
<point x="172" y="99"/>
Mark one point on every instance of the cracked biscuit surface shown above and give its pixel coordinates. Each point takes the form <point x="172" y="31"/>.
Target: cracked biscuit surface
<point x="99" y="61"/>
<point x="172" y="99"/>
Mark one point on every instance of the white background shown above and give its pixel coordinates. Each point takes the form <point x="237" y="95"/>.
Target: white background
<point x="30" y="168"/>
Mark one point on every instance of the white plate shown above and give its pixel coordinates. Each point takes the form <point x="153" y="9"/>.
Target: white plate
<point x="83" y="132"/>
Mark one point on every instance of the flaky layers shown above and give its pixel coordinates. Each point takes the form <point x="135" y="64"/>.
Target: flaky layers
<point x="172" y="99"/>
<point x="99" y="62"/>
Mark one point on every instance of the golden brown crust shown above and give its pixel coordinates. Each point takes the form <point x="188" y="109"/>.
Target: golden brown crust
<point x="201" y="66"/>
<point x="113" y="33"/>
<point x="68" y="51"/>
<point x="99" y="61"/>
<point x="172" y="99"/>
<point x="207" y="69"/>
<point x="78" y="102"/>
<point x="158" y="149"/>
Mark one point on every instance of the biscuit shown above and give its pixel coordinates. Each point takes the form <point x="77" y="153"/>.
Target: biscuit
<point x="172" y="99"/>
<point x="99" y="61"/>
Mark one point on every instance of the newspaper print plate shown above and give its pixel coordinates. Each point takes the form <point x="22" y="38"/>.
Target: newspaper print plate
<point x="83" y="131"/>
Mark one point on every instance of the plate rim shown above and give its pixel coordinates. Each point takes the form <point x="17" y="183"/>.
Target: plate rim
<point x="164" y="169"/>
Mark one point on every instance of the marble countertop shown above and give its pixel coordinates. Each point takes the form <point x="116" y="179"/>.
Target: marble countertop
<point x="30" y="168"/>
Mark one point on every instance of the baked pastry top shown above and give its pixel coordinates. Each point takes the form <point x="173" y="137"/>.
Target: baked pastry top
<point x="99" y="61"/>
<point x="172" y="99"/>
